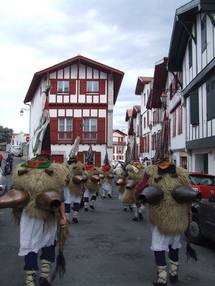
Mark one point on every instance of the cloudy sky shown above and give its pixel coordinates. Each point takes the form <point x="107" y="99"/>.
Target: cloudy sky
<point x="130" y="35"/>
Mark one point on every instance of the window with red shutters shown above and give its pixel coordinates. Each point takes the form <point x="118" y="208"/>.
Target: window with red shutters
<point x="63" y="86"/>
<point x="53" y="130"/>
<point x="101" y="131"/>
<point x="83" y="86"/>
<point x="102" y="86"/>
<point x="65" y="128"/>
<point x="53" y="86"/>
<point x="93" y="86"/>
<point x="90" y="129"/>
<point x="97" y="159"/>
<point x="72" y="87"/>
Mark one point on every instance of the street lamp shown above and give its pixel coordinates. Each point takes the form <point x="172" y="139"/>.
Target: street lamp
<point x="22" y="111"/>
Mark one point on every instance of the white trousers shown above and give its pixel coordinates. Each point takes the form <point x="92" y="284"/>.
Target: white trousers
<point x="70" y="198"/>
<point x="161" y="241"/>
<point x="35" y="234"/>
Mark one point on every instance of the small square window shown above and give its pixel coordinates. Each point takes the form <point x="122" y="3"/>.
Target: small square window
<point x="63" y="86"/>
<point x="92" y="86"/>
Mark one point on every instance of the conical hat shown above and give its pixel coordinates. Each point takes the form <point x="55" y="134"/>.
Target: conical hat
<point x="41" y="143"/>
<point x="106" y="159"/>
<point x="89" y="156"/>
<point x="74" y="150"/>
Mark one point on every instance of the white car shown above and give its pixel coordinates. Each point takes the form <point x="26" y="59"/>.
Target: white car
<point x="16" y="150"/>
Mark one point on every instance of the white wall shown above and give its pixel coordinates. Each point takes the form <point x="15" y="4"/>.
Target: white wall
<point x="64" y="150"/>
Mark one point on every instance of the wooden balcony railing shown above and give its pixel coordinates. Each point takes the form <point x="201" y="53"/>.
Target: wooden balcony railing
<point x="89" y="137"/>
<point x="65" y="136"/>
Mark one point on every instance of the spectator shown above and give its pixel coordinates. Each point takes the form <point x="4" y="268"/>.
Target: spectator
<point x="10" y="161"/>
<point x="1" y="158"/>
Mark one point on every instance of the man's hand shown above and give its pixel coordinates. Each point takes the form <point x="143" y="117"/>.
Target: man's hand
<point x="63" y="221"/>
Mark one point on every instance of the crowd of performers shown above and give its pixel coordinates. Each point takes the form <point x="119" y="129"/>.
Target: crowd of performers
<point x="46" y="196"/>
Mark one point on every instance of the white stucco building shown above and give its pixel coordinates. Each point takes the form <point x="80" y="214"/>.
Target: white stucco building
<point x="192" y="52"/>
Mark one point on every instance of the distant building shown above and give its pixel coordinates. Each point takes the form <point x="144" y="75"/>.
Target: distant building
<point x="176" y="113"/>
<point x="81" y="101"/>
<point x="119" y="145"/>
<point x="18" y="139"/>
<point x="133" y="120"/>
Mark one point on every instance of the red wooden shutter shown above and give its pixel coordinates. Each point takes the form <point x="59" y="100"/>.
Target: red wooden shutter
<point x="57" y="158"/>
<point x="97" y="159"/>
<point x="101" y="131"/>
<point x="102" y="86"/>
<point x="53" y="86"/>
<point x="83" y="86"/>
<point x="54" y="130"/>
<point x="141" y="144"/>
<point x="77" y="127"/>
<point x="80" y="157"/>
<point x="72" y="86"/>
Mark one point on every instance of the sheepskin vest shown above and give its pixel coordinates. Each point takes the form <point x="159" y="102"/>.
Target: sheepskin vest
<point x="37" y="181"/>
<point x="170" y="216"/>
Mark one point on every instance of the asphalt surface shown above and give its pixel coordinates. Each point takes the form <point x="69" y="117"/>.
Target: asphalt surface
<point x="106" y="248"/>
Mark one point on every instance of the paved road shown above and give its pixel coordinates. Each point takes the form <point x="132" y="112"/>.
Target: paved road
<point x="107" y="249"/>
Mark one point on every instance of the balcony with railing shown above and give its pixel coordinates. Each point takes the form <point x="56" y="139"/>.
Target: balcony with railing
<point x="65" y="136"/>
<point x="89" y="137"/>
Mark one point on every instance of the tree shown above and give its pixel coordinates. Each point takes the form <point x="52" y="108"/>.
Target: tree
<point x="5" y="134"/>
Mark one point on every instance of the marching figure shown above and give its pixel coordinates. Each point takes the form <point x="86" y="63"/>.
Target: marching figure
<point x="167" y="190"/>
<point x="91" y="186"/>
<point x="106" y="185"/>
<point x="73" y="191"/>
<point x="37" y="202"/>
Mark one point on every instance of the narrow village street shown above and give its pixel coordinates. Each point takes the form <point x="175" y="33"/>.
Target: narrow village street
<point x="106" y="248"/>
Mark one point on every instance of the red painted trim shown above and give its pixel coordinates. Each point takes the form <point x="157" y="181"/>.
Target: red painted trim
<point x="57" y="158"/>
<point x="118" y="75"/>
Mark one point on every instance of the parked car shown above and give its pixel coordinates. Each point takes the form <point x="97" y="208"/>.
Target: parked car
<point x="203" y="183"/>
<point x="3" y="183"/>
<point x="16" y="150"/>
<point x="203" y="220"/>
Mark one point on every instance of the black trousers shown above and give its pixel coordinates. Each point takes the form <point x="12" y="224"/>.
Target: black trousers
<point x="31" y="259"/>
<point x="160" y="256"/>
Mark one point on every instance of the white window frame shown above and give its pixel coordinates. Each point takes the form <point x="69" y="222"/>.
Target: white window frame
<point x="63" y="86"/>
<point x="92" y="86"/>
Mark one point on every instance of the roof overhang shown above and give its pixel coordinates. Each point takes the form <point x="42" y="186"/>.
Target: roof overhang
<point x="120" y="132"/>
<point x="129" y="113"/>
<point x="116" y="74"/>
<point x="159" y="83"/>
<point x="202" y="77"/>
<point x="141" y="82"/>
<point x="182" y="30"/>
<point x="136" y="110"/>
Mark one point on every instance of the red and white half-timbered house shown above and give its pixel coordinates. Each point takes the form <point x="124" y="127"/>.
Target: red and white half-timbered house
<point x="119" y="145"/>
<point x="81" y="101"/>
